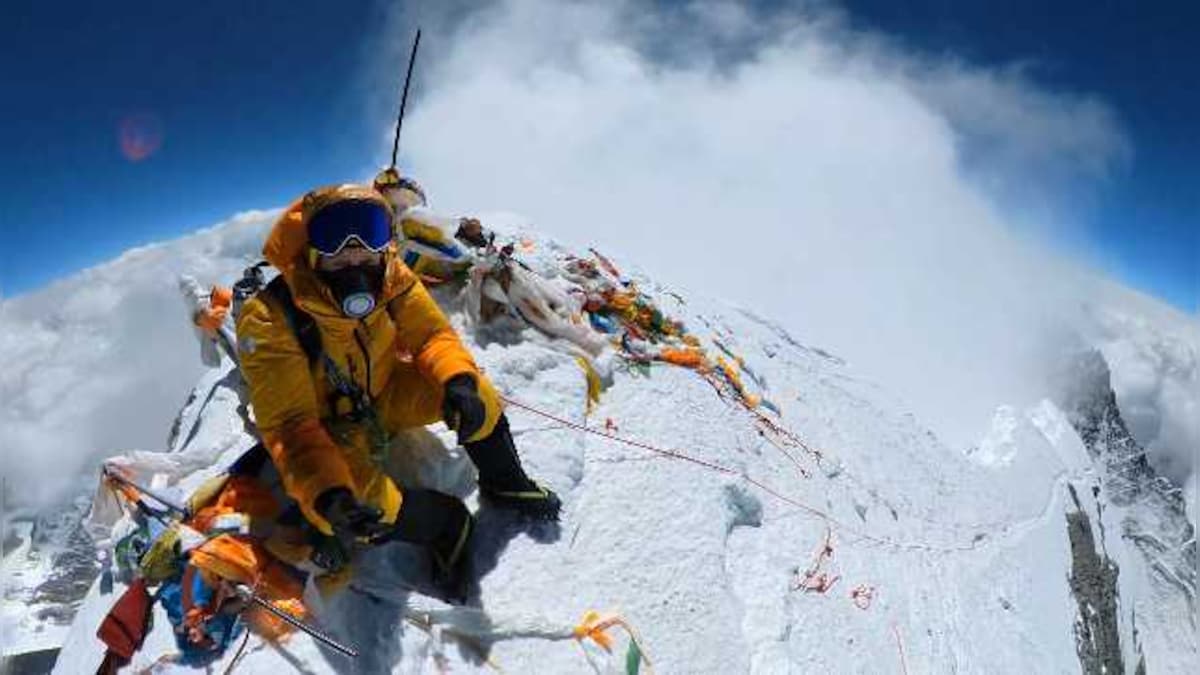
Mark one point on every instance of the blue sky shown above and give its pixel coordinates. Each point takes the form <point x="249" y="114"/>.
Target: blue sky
<point x="1139" y="58"/>
<point x="254" y="100"/>
<point x="257" y="101"/>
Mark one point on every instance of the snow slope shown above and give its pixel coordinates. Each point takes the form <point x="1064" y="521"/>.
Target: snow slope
<point x="940" y="561"/>
<point x="70" y="398"/>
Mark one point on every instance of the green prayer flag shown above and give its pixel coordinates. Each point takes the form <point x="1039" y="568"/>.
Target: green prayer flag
<point x="633" y="659"/>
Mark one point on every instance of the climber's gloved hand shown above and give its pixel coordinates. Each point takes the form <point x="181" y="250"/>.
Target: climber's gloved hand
<point x="348" y="517"/>
<point x="462" y="408"/>
<point x="329" y="553"/>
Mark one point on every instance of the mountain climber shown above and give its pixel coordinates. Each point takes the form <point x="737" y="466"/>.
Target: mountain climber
<point x="385" y="359"/>
<point x="431" y="245"/>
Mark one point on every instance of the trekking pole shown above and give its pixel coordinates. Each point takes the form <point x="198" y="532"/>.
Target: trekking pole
<point x="170" y="504"/>
<point x="412" y="58"/>
<point x="247" y="595"/>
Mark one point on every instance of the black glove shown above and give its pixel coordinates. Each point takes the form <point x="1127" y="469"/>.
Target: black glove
<point x="349" y="520"/>
<point x="462" y="408"/>
<point x="329" y="553"/>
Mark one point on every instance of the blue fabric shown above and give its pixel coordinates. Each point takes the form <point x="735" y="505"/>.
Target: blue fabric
<point x="448" y="249"/>
<point x="602" y="323"/>
<point x="221" y="628"/>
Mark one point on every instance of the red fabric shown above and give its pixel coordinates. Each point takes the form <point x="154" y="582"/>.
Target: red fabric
<point x="125" y="626"/>
<point x="111" y="665"/>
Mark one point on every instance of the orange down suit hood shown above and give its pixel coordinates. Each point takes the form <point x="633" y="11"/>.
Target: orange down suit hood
<point x="402" y="353"/>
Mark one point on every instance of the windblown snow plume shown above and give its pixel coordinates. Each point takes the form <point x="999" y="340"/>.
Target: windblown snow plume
<point x="886" y="204"/>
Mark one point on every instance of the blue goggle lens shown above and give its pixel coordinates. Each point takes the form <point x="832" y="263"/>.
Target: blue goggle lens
<point x="333" y="226"/>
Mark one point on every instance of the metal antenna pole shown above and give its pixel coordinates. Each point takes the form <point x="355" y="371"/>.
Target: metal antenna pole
<point x="412" y="58"/>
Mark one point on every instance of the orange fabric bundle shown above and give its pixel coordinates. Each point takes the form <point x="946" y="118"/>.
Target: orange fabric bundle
<point x="686" y="357"/>
<point x="241" y="494"/>
<point x="221" y="296"/>
<point x="735" y="380"/>
<point x="620" y="302"/>
<point x="270" y="626"/>
<point x="210" y="318"/>
<point x="240" y="560"/>
<point x="128" y="492"/>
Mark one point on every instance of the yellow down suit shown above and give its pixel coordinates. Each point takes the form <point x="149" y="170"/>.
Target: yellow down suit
<point x="401" y="355"/>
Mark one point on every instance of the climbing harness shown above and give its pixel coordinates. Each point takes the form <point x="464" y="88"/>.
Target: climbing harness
<point x="362" y="408"/>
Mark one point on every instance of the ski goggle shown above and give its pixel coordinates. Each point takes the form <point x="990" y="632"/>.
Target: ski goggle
<point x="331" y="228"/>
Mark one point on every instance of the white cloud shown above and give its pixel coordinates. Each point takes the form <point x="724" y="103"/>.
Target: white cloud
<point x="100" y="363"/>
<point x="783" y="161"/>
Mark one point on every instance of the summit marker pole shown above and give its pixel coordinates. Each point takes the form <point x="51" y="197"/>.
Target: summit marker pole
<point x="412" y="58"/>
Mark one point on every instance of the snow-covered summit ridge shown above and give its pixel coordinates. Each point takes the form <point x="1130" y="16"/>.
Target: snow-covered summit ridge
<point x="938" y="560"/>
<point x="1153" y="352"/>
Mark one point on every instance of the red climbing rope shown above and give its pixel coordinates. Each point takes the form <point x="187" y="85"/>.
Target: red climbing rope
<point x="900" y="647"/>
<point x="767" y="427"/>
<point x="676" y="454"/>
<point x="814" y="579"/>
<point x="613" y="437"/>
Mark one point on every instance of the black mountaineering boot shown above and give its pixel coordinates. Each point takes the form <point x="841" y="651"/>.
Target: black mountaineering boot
<point x="443" y="524"/>
<point x="503" y="482"/>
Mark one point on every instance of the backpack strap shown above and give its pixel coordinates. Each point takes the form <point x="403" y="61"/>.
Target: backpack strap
<point x="303" y="326"/>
